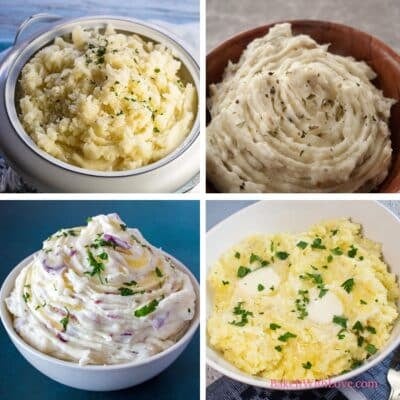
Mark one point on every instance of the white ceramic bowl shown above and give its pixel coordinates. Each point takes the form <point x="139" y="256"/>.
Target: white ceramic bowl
<point x="378" y="223"/>
<point x="96" y="377"/>
<point x="174" y="172"/>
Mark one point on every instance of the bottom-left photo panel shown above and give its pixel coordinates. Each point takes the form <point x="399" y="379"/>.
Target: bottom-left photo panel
<point x="99" y="296"/>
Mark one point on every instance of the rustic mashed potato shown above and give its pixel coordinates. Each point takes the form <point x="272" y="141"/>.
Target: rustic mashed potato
<point x="280" y="301"/>
<point x="106" y="101"/>
<point x="292" y="117"/>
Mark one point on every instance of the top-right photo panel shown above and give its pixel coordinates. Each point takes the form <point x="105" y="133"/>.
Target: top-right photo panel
<point x="303" y="96"/>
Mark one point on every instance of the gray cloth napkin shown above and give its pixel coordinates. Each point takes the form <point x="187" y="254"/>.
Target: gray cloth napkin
<point x="228" y="389"/>
<point x="10" y="181"/>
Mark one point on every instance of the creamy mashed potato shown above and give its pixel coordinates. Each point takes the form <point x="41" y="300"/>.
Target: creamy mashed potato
<point x="292" y="117"/>
<point x="281" y="301"/>
<point x="101" y="294"/>
<point x="106" y="101"/>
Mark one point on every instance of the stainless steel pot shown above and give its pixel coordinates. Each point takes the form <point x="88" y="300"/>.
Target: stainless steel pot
<point x="175" y="172"/>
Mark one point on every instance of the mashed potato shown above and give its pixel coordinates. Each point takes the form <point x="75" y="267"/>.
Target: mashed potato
<point x="292" y="117"/>
<point x="106" y="101"/>
<point x="280" y="301"/>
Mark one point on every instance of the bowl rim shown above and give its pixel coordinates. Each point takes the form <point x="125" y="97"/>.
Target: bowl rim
<point x="17" y="51"/>
<point x="246" y="32"/>
<point x="183" y="340"/>
<point x="305" y="384"/>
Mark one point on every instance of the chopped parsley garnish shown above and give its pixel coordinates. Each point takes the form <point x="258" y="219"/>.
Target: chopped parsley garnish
<point x="278" y="348"/>
<point x="282" y="255"/>
<point x="361" y="258"/>
<point x="64" y="321"/>
<point x="301" y="304"/>
<point x="317" y="279"/>
<point x="146" y="309"/>
<point x="302" y="245"/>
<point x="124" y="291"/>
<point x="307" y="365"/>
<point x="237" y="255"/>
<point x="243" y="271"/>
<point x="98" y="267"/>
<point x="329" y="258"/>
<point x="244" y="314"/>
<point x="103" y="255"/>
<point x="337" y="251"/>
<point x="274" y="327"/>
<point x="371" y="329"/>
<point x="348" y="285"/>
<point x="363" y="302"/>
<point x="342" y="321"/>
<point x="334" y="232"/>
<point x="123" y="227"/>
<point x="159" y="273"/>
<point x="156" y="70"/>
<point x="131" y="283"/>
<point x="317" y="244"/>
<point x="358" y="327"/>
<point x="341" y="334"/>
<point x="371" y="348"/>
<point x="260" y="287"/>
<point x="355" y="364"/>
<point x="40" y="306"/>
<point x="255" y="257"/>
<point x="352" y="252"/>
<point x="225" y="283"/>
<point x="71" y="232"/>
<point x="285" y="337"/>
<point x="26" y="296"/>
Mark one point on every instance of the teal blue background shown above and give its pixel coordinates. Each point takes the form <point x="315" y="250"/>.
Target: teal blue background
<point x="172" y="225"/>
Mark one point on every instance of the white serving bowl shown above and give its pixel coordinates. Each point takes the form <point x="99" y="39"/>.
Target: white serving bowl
<point x="96" y="377"/>
<point x="378" y="224"/>
<point x="177" y="171"/>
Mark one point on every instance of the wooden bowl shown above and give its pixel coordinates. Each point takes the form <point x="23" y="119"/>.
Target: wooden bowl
<point x="345" y="41"/>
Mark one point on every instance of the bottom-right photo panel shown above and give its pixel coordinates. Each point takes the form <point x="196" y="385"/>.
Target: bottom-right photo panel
<point x="302" y="299"/>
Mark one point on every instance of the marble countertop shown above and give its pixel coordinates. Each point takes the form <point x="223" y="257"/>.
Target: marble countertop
<point x="377" y="17"/>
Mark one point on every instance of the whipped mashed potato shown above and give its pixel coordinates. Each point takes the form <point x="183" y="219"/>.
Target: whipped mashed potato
<point x="292" y="117"/>
<point x="101" y="294"/>
<point x="281" y="301"/>
<point x="106" y="101"/>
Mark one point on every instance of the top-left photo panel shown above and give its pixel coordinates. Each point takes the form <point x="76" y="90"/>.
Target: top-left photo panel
<point x="99" y="96"/>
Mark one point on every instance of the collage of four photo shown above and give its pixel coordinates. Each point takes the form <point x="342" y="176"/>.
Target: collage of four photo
<point x="199" y="199"/>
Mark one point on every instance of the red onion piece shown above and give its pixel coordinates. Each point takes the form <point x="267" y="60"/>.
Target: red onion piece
<point x="116" y="240"/>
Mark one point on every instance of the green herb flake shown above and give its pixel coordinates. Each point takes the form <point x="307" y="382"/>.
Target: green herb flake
<point x="371" y="349"/>
<point x="329" y="259"/>
<point x="124" y="291"/>
<point x="285" y="337"/>
<point x="123" y="227"/>
<point x="274" y="327"/>
<point x="282" y="255"/>
<point x="65" y="321"/>
<point x="302" y="245"/>
<point x="341" y="334"/>
<point x="103" y="255"/>
<point x="98" y="267"/>
<point x="278" y="348"/>
<point x="317" y="244"/>
<point x="371" y="329"/>
<point x="131" y="283"/>
<point x="157" y="70"/>
<point x="348" y="285"/>
<point x="358" y="327"/>
<point x="26" y="296"/>
<point x="244" y="314"/>
<point x="363" y="301"/>
<point x="342" y="321"/>
<point x="237" y="255"/>
<point x="337" y="251"/>
<point x="307" y="365"/>
<point x="146" y="309"/>
<point x="243" y="271"/>
<point x="159" y="273"/>
<point x="260" y="287"/>
<point x="352" y="252"/>
<point x="225" y="283"/>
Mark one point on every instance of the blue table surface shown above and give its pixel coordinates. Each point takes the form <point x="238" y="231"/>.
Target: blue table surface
<point x="172" y="225"/>
<point x="13" y="12"/>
